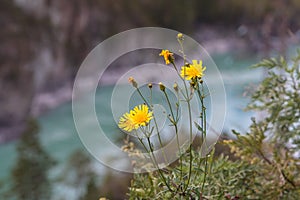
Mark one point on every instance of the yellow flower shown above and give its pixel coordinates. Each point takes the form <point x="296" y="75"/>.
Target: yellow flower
<point x="192" y="71"/>
<point x="139" y="116"/>
<point x="168" y="56"/>
<point x="126" y="122"/>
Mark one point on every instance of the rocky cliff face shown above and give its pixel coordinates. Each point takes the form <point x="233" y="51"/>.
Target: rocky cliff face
<point x="33" y="61"/>
<point x="16" y="75"/>
<point x="43" y="43"/>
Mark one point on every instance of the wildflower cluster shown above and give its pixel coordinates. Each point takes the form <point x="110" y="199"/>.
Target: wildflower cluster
<point x="139" y="120"/>
<point x="264" y="162"/>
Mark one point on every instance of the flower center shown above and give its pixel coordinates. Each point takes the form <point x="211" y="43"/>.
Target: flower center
<point x="140" y="117"/>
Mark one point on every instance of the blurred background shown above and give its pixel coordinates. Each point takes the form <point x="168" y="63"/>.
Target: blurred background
<point x="43" y="43"/>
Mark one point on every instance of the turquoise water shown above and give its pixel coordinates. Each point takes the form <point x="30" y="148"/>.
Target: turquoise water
<point x="7" y="155"/>
<point x="59" y="137"/>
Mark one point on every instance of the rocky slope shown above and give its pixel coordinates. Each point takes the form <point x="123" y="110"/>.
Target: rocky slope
<point x="43" y="43"/>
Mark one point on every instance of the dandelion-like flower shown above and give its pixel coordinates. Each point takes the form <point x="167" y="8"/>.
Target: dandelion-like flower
<point x="168" y="56"/>
<point x="126" y="123"/>
<point x="192" y="71"/>
<point x="139" y="116"/>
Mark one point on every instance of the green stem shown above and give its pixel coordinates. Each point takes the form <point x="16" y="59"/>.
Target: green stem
<point x="154" y="119"/>
<point x="174" y="122"/>
<point x="157" y="166"/>
<point x="159" y="139"/>
<point x="183" y="54"/>
<point x="138" y="90"/>
<point x="152" y="156"/>
<point x="190" y="147"/>
<point x="187" y="98"/>
<point x="204" y="129"/>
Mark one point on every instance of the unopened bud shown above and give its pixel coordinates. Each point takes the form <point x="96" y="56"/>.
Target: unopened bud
<point x="133" y="82"/>
<point x="180" y="36"/>
<point x="193" y="84"/>
<point x="175" y="86"/>
<point x="161" y="86"/>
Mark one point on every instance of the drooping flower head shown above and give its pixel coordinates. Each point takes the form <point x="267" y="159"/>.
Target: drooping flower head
<point x="192" y="71"/>
<point x="168" y="56"/>
<point x="139" y="116"/>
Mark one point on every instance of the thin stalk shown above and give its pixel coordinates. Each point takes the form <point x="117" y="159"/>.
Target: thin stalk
<point x="204" y="129"/>
<point x="190" y="147"/>
<point x="159" y="138"/>
<point x="202" y="122"/>
<point x="174" y="122"/>
<point x="152" y="157"/>
<point x="141" y="141"/>
<point x="190" y="117"/>
<point x="182" y="50"/>
<point x="142" y="96"/>
<point x="171" y="110"/>
<point x="156" y="164"/>
<point x="154" y="119"/>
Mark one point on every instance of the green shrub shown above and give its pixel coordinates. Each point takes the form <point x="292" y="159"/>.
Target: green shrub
<point x="267" y="165"/>
<point x="272" y="143"/>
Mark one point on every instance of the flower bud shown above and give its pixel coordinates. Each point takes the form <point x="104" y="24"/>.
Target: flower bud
<point x="161" y="86"/>
<point x="193" y="84"/>
<point x="133" y="82"/>
<point x="180" y="36"/>
<point x="175" y="86"/>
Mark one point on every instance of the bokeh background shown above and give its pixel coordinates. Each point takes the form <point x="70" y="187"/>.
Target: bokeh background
<point x="43" y="43"/>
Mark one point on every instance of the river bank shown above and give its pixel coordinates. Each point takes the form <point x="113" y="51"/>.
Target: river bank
<point x="215" y="39"/>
